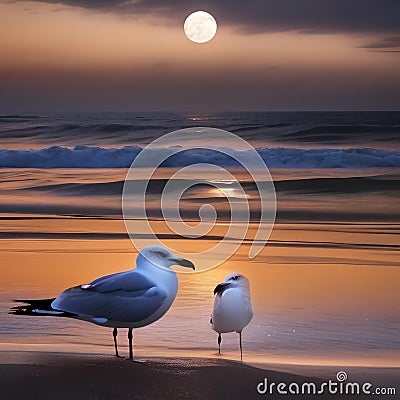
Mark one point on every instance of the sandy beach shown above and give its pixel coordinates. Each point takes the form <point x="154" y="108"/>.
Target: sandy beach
<point x="42" y="375"/>
<point x="67" y="376"/>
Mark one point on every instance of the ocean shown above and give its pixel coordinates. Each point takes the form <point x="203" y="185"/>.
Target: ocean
<point x="324" y="288"/>
<point x="284" y="139"/>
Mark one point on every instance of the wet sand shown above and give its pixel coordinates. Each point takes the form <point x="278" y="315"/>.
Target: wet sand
<point x="66" y="376"/>
<point x="87" y="376"/>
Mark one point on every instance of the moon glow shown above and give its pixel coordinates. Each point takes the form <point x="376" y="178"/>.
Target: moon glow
<point x="200" y="27"/>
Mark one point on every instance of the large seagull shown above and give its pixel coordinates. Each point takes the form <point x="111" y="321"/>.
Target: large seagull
<point x="130" y="299"/>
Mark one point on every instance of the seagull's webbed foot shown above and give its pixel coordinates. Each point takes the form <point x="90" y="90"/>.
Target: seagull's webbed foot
<point x="138" y="361"/>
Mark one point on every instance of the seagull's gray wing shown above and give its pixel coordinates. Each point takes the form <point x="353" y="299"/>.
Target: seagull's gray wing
<point x="130" y="281"/>
<point x="126" y="297"/>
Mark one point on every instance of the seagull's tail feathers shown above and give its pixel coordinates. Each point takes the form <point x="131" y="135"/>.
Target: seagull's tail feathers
<point x="38" y="308"/>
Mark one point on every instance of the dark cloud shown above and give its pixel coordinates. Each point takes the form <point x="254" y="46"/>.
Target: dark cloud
<point x="390" y="44"/>
<point x="313" y="16"/>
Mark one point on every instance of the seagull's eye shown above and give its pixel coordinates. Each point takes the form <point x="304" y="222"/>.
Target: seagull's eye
<point x="161" y="254"/>
<point x="235" y="277"/>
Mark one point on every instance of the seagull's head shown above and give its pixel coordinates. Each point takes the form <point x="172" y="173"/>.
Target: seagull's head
<point x="164" y="258"/>
<point x="234" y="280"/>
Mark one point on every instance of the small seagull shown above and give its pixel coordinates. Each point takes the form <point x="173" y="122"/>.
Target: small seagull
<point x="232" y="307"/>
<point x="130" y="299"/>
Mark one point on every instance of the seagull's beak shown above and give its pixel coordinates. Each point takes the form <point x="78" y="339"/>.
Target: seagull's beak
<point x="184" y="263"/>
<point x="219" y="289"/>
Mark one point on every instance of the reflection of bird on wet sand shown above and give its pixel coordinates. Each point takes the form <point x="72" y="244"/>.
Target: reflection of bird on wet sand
<point x="232" y="307"/>
<point x="130" y="299"/>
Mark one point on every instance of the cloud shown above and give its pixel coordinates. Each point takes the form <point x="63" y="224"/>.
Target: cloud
<point x="257" y="16"/>
<point x="389" y="44"/>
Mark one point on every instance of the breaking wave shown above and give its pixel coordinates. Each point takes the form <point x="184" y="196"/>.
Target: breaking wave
<point x="277" y="157"/>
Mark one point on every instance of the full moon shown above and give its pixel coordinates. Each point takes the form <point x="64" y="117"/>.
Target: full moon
<point x="200" y="27"/>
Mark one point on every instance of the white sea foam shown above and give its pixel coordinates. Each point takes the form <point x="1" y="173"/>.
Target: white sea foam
<point x="277" y="157"/>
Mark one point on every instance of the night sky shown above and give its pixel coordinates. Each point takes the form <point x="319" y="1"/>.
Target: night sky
<point x="133" y="55"/>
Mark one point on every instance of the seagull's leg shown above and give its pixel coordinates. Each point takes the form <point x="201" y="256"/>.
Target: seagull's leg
<point x="115" y="333"/>
<point x="219" y="344"/>
<point x="240" y="343"/>
<point x="130" y="337"/>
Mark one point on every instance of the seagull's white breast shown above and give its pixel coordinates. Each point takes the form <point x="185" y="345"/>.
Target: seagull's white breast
<point x="232" y="311"/>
